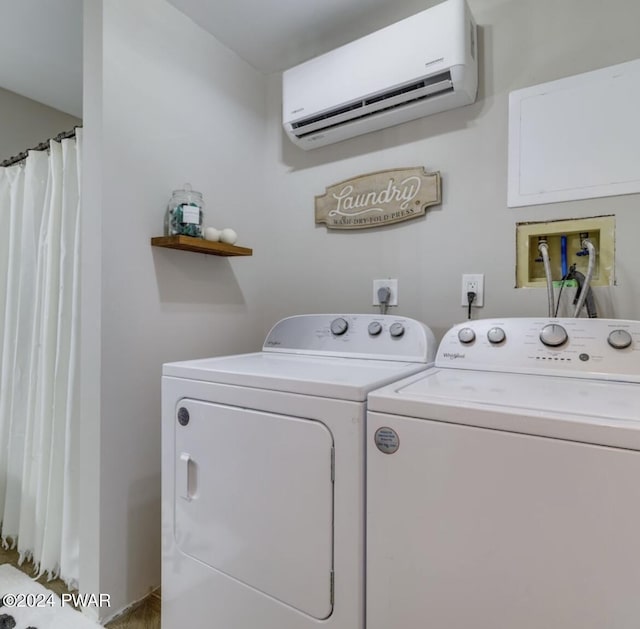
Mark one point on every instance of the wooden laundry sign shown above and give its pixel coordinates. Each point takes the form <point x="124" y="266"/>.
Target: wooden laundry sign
<point x="380" y="198"/>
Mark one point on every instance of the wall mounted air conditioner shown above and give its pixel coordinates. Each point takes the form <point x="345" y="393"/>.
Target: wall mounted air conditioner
<point x="419" y="66"/>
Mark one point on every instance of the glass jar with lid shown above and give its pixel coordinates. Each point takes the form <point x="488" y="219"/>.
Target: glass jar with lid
<point x="184" y="213"/>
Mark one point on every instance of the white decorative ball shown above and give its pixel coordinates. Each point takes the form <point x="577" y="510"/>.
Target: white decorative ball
<point x="228" y="235"/>
<point x="211" y="233"/>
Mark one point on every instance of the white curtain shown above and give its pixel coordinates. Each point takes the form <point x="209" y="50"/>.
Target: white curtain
<point x="39" y="300"/>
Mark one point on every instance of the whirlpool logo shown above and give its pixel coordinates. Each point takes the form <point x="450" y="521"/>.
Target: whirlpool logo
<point x="453" y="356"/>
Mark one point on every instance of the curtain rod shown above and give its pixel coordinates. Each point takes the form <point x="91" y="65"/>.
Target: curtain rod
<point x="43" y="146"/>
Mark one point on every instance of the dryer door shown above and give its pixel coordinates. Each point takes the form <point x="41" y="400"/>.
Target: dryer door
<point x="254" y="500"/>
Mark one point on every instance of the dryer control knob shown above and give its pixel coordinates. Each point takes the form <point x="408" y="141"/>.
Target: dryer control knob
<point x="339" y="326"/>
<point x="396" y="330"/>
<point x="466" y="335"/>
<point x="496" y="335"/>
<point x="553" y="335"/>
<point x="619" y="339"/>
<point x="375" y="327"/>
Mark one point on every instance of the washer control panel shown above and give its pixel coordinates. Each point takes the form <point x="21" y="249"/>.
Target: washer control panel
<point x="383" y="337"/>
<point x="591" y="348"/>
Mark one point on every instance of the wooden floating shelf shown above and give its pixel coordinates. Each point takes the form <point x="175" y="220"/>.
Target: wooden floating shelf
<point x="200" y="245"/>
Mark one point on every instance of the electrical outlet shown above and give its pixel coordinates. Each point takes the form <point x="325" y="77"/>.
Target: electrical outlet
<point x="392" y="285"/>
<point x="473" y="282"/>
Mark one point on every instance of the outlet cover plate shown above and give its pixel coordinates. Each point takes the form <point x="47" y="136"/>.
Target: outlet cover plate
<point x="393" y="287"/>
<point x="472" y="281"/>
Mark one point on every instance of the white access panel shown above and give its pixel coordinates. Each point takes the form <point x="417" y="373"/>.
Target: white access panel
<point x="488" y="529"/>
<point x="575" y="138"/>
<point x="254" y="500"/>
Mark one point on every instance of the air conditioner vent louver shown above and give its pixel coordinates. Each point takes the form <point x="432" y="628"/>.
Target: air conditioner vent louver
<point x="445" y="76"/>
<point x="330" y="114"/>
<point x="391" y="99"/>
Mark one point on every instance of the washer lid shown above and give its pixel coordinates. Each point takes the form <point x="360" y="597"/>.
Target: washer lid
<point x="323" y="376"/>
<point x="577" y="409"/>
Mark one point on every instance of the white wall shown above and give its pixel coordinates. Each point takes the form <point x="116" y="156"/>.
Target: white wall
<point x="26" y="123"/>
<point x="521" y="42"/>
<point x="178" y="107"/>
<point x="173" y="106"/>
<point x="90" y="301"/>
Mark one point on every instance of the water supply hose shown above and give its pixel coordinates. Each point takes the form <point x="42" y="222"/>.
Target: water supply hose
<point x="543" y="247"/>
<point x="588" y="245"/>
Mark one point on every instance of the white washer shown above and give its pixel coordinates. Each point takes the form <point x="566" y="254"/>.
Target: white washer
<point x="263" y="473"/>
<point x="503" y="485"/>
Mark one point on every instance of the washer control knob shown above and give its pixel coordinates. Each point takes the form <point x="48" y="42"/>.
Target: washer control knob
<point x="375" y="327"/>
<point x="396" y="330"/>
<point x="619" y="339"/>
<point x="553" y="335"/>
<point x="466" y="335"/>
<point x="339" y="326"/>
<point x="496" y="335"/>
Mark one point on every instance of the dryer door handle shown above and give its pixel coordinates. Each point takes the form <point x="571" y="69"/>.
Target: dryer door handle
<point x="183" y="476"/>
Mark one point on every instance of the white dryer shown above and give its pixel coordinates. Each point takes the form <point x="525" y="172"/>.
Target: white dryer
<point x="263" y="473"/>
<point x="503" y="485"/>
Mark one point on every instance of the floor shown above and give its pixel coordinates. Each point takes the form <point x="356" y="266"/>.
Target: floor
<point x="145" y="615"/>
